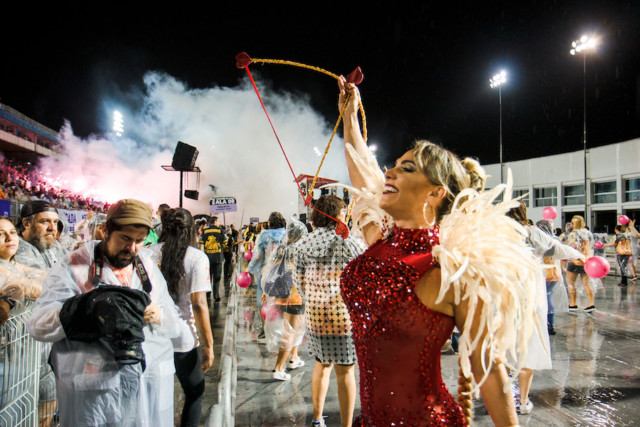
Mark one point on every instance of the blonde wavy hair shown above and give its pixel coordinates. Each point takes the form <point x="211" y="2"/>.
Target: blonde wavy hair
<point x="442" y="167"/>
<point x="579" y="221"/>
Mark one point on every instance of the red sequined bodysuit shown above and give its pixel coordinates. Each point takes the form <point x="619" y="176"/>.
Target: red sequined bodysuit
<point x="398" y="339"/>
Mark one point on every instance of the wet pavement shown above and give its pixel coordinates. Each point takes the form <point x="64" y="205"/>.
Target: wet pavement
<point x="217" y="313"/>
<point x="595" y="378"/>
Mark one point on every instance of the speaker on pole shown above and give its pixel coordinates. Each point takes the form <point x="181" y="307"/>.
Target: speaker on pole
<point x="191" y="194"/>
<point x="184" y="158"/>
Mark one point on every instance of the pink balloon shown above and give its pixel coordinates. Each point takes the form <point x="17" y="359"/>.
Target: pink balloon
<point x="243" y="280"/>
<point x="623" y="219"/>
<point x="248" y="255"/>
<point x="597" y="267"/>
<point x="270" y="312"/>
<point x="598" y="245"/>
<point x="549" y="213"/>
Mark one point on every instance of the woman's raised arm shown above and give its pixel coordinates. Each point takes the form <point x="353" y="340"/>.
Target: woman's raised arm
<point x="363" y="175"/>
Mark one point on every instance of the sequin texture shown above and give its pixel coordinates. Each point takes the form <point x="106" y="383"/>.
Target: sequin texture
<point x="398" y="339"/>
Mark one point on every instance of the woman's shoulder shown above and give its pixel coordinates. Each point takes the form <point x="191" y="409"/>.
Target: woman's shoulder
<point x="196" y="255"/>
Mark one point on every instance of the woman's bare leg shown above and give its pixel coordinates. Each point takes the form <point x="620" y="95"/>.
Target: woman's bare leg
<point x="571" y="286"/>
<point x="587" y="288"/>
<point x="525" y="378"/>
<point x="346" y="393"/>
<point x="319" y="387"/>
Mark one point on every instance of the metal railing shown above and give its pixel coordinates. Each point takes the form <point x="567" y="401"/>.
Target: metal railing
<point x="20" y="360"/>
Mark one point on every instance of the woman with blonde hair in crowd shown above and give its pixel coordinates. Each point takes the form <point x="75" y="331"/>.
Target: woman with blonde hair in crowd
<point x="436" y="260"/>
<point x="581" y="239"/>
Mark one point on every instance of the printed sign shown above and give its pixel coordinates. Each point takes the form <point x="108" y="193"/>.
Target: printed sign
<point x="254" y="220"/>
<point x="222" y="204"/>
<point x="72" y="218"/>
<point x="5" y="208"/>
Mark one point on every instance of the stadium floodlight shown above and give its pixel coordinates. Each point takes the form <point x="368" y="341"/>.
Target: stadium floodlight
<point x="118" y="123"/>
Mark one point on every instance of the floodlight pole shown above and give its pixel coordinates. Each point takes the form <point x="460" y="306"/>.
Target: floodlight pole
<point x="584" y="134"/>
<point x="496" y="82"/>
<point x="581" y="46"/>
<point x="500" y="102"/>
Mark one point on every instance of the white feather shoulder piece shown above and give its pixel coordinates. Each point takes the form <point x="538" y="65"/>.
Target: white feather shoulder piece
<point x="484" y="258"/>
<point x="367" y="199"/>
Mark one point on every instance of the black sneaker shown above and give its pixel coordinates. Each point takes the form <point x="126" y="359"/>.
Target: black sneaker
<point x="552" y="330"/>
<point x="573" y="308"/>
<point x="590" y="309"/>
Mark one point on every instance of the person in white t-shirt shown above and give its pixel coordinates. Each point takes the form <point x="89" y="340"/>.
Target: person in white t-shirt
<point x="186" y="270"/>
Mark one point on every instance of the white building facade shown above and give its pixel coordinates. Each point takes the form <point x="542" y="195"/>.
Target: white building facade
<point x="613" y="184"/>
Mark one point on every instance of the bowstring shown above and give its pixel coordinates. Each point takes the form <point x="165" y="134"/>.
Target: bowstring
<point x="255" y="87"/>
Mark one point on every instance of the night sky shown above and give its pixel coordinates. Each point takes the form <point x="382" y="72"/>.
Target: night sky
<point x="427" y="66"/>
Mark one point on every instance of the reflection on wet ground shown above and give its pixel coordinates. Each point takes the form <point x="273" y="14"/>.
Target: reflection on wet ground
<point x="594" y="381"/>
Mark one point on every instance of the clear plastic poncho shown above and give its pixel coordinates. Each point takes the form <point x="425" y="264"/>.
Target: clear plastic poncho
<point x="582" y="240"/>
<point x="283" y="328"/>
<point x="92" y="388"/>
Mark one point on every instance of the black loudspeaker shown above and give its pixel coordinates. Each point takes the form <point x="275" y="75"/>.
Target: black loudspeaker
<point x="191" y="194"/>
<point x="184" y="158"/>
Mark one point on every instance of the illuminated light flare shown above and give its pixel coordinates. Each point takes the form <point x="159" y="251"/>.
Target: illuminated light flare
<point x="118" y="123"/>
<point x="585" y="42"/>
<point x="498" y="79"/>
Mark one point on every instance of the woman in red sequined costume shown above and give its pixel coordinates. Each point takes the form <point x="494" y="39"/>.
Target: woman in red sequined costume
<point x="400" y="317"/>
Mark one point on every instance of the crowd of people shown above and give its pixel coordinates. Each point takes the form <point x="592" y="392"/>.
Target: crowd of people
<point x="429" y="251"/>
<point x="22" y="182"/>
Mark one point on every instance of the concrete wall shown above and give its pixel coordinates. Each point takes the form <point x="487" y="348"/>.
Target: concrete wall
<point x="615" y="162"/>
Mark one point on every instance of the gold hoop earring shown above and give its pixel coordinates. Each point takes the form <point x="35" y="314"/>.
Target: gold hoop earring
<point x="430" y="223"/>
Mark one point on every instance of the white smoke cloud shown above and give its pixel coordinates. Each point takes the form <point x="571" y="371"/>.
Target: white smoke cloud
<point x="238" y="152"/>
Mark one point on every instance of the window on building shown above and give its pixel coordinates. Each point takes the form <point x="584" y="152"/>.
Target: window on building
<point x="604" y="192"/>
<point x="521" y="192"/>
<point x="573" y="194"/>
<point x="547" y="196"/>
<point x="632" y="190"/>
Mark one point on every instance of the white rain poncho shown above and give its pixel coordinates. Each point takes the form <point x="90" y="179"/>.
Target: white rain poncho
<point x="92" y="388"/>
<point x="543" y="245"/>
<point x="279" y="332"/>
<point x="31" y="256"/>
